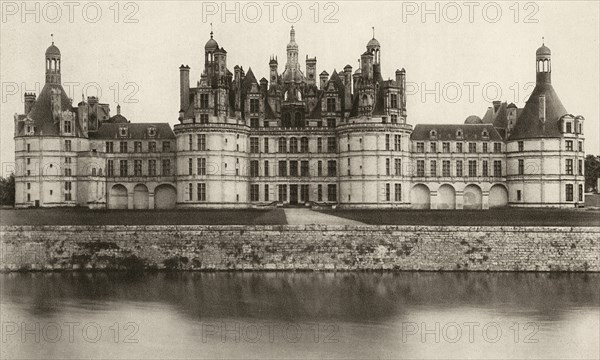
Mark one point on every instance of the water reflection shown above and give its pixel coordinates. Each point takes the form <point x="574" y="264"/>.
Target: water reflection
<point x="370" y="314"/>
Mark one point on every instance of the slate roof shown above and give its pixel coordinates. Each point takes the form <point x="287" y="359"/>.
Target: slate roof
<point x="134" y="131"/>
<point x="529" y="126"/>
<point x="471" y="132"/>
<point x="41" y="112"/>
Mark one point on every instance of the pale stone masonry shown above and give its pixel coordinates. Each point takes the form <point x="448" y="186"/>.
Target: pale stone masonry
<point x="297" y="138"/>
<point x="300" y="247"/>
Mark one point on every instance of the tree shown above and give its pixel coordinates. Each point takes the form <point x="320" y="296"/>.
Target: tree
<point x="592" y="172"/>
<point x="7" y="190"/>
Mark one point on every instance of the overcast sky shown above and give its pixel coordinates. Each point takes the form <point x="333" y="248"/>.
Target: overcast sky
<point x="463" y="54"/>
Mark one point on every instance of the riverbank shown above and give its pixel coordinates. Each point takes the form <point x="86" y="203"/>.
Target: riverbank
<point x="300" y="248"/>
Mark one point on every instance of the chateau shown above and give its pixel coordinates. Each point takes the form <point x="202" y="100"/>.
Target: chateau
<point x="298" y="138"/>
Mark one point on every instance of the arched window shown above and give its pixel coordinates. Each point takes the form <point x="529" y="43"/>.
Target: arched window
<point x="100" y="172"/>
<point x="293" y="145"/>
<point x="282" y="145"/>
<point x="93" y="171"/>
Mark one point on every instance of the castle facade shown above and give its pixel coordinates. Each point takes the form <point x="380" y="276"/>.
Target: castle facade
<point x="298" y="138"/>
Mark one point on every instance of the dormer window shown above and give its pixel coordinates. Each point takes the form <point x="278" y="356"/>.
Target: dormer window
<point x="485" y="134"/>
<point x="151" y="131"/>
<point x="433" y="134"/>
<point x="123" y="131"/>
<point x="459" y="134"/>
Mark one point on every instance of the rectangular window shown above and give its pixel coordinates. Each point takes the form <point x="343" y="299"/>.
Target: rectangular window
<point x="331" y="123"/>
<point x="433" y="147"/>
<point x="521" y="145"/>
<point x="319" y="145"/>
<point x="254" y="106"/>
<point x="484" y="168"/>
<point x="387" y="142"/>
<point x="472" y="147"/>
<point x="446" y="168"/>
<point x="266" y="145"/>
<point x="254" y="145"/>
<point x="265" y="123"/>
<point x="304" y="168"/>
<point x="388" y="195"/>
<point x="293" y="145"/>
<point x="304" y="193"/>
<point x="521" y="167"/>
<point x="254" y="168"/>
<point x="420" y="168"/>
<point x="319" y="192"/>
<point x="459" y="147"/>
<point x="166" y="146"/>
<point x="266" y="192"/>
<point x="394" y="119"/>
<point x="569" y="145"/>
<point x="123" y="168"/>
<point x="569" y="192"/>
<point x="580" y="146"/>
<point x="254" y="192"/>
<point x="331" y="145"/>
<point x="294" y="168"/>
<point x="459" y="168"/>
<point x="137" y="146"/>
<point x="202" y="142"/>
<point x="497" y="168"/>
<point x="152" y="146"/>
<point x="580" y="192"/>
<point x="152" y="167"/>
<point x="67" y="145"/>
<point x="190" y="166"/>
<point x="203" y="118"/>
<point x="569" y="128"/>
<point x="110" y="168"/>
<point x="420" y="147"/>
<point x="319" y="168"/>
<point x="109" y="147"/>
<point x="267" y="168"/>
<point x="387" y="166"/>
<point x="330" y="104"/>
<point x="67" y="126"/>
<point x="393" y="101"/>
<point x="67" y="160"/>
<point x="446" y="147"/>
<point x="497" y="147"/>
<point x="190" y="142"/>
<point x="398" y="167"/>
<point x="397" y="192"/>
<point x="304" y="145"/>
<point x="282" y="189"/>
<point x="123" y="146"/>
<point x="282" y="168"/>
<point x="137" y="167"/>
<point x="519" y="195"/>
<point x="282" y="145"/>
<point x="331" y="193"/>
<point x="397" y="142"/>
<point x="580" y="167"/>
<point x="166" y="167"/>
<point x="433" y="168"/>
<point x="472" y="168"/>
<point x="68" y="185"/>
<point x="569" y="166"/>
<point x="190" y="192"/>
<point x="254" y="123"/>
<point x="203" y="101"/>
<point x="68" y="196"/>
<point x="331" y="168"/>
<point x="201" y="166"/>
<point x="485" y="147"/>
<point x="201" y="192"/>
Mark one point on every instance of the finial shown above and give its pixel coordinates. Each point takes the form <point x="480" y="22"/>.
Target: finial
<point x="211" y="31"/>
<point x="542" y="40"/>
<point x="373" y="27"/>
<point x="52" y="36"/>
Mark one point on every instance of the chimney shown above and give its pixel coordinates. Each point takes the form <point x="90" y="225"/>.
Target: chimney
<point x="264" y="85"/>
<point x="29" y="100"/>
<point x="184" y="87"/>
<point x="542" y="108"/>
<point x="496" y="104"/>
<point x="323" y="79"/>
<point x="311" y="70"/>
<point x="92" y="100"/>
<point x="366" y="64"/>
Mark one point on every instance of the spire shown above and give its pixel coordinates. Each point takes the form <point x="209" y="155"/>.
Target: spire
<point x="292" y="34"/>
<point x="211" y="31"/>
<point x="373" y="27"/>
<point x="52" y="37"/>
<point x="118" y="109"/>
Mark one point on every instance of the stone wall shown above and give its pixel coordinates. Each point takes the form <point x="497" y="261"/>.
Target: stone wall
<point x="298" y="247"/>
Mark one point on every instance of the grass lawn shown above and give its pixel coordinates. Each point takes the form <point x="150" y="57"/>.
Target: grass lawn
<point x="502" y="217"/>
<point x="70" y="216"/>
